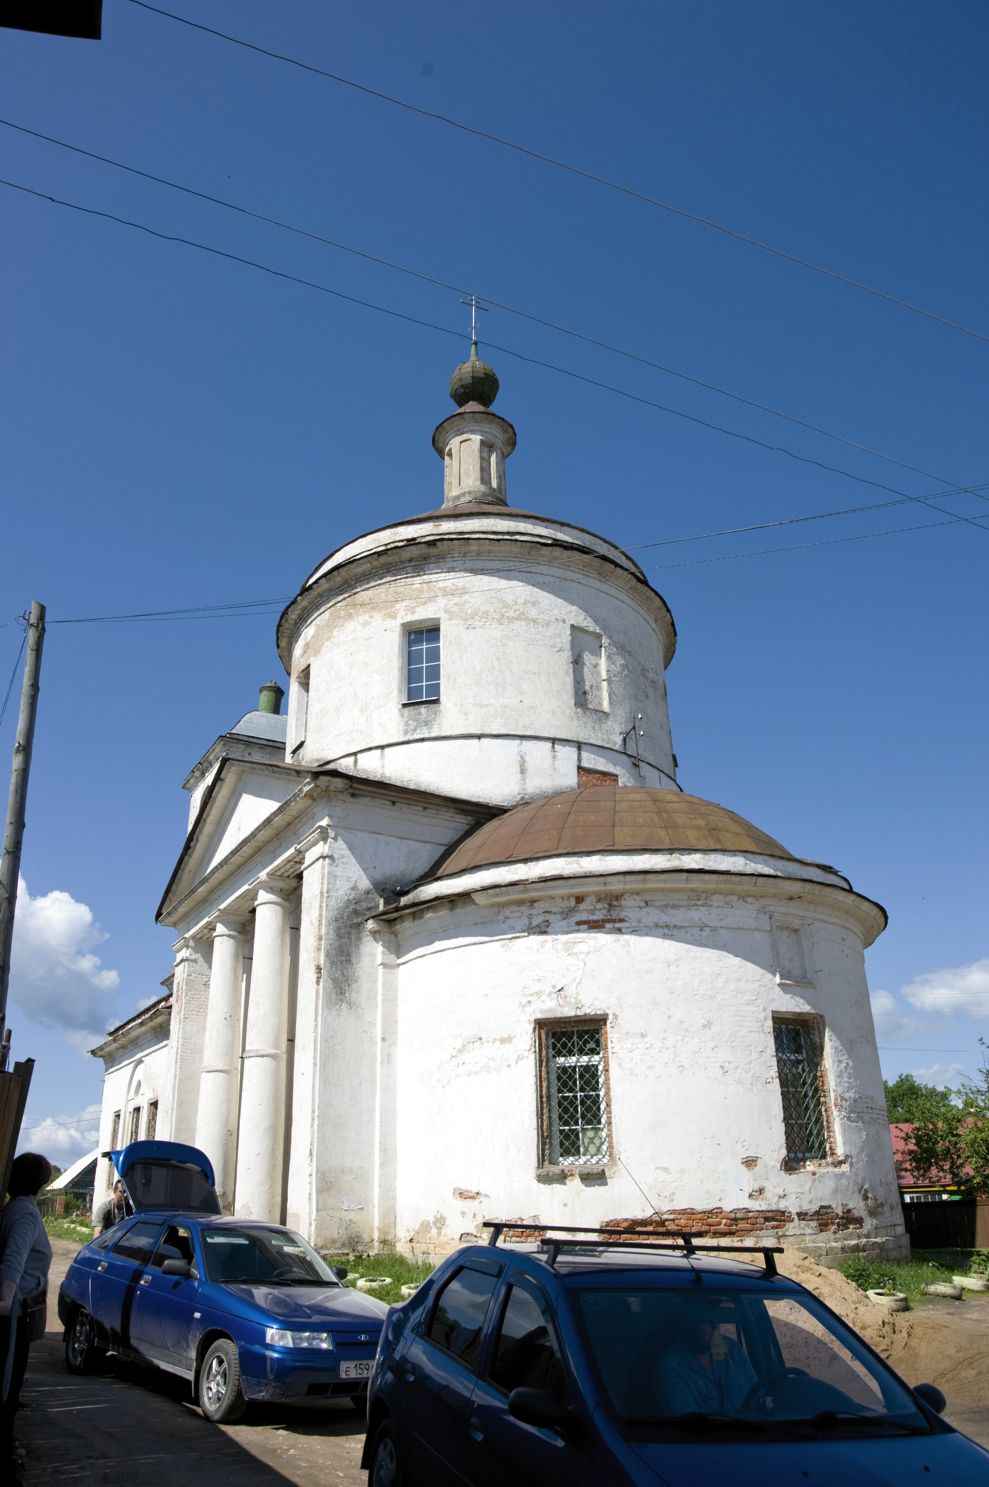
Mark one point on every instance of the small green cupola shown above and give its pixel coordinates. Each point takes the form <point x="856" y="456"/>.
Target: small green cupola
<point x="474" y="443"/>
<point x="474" y="381"/>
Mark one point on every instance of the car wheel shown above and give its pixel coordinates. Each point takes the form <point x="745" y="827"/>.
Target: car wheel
<point x="385" y="1469"/>
<point x="220" y="1396"/>
<point x="82" y="1352"/>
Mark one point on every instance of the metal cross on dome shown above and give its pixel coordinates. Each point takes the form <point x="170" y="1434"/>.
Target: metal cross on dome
<point x="475" y="305"/>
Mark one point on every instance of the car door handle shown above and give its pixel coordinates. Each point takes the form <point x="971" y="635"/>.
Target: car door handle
<point x="474" y="1426"/>
<point x="409" y="1373"/>
<point x="145" y="1280"/>
<point x="101" y="1265"/>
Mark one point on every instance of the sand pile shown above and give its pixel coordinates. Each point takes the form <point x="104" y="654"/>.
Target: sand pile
<point x="886" y="1331"/>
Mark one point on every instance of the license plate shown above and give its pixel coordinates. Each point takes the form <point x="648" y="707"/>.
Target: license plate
<point x="356" y="1370"/>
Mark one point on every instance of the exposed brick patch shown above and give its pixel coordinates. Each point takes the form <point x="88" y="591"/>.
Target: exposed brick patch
<point x="727" y="1223"/>
<point x="830" y="1221"/>
<point x="466" y="1195"/>
<point x="600" y="923"/>
<point x="586" y="777"/>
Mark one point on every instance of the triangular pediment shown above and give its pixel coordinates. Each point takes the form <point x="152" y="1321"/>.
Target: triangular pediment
<point x="241" y="796"/>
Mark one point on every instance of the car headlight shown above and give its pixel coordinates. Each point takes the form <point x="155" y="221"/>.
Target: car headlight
<point x="277" y="1337"/>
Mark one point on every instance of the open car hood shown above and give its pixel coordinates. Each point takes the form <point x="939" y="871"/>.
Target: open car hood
<point x="167" y="1176"/>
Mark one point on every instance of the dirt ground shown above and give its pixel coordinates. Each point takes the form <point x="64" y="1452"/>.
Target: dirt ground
<point x="941" y="1342"/>
<point x="140" y="1424"/>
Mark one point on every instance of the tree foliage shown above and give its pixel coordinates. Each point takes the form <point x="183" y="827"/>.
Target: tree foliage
<point x="949" y="1140"/>
<point x="907" y="1098"/>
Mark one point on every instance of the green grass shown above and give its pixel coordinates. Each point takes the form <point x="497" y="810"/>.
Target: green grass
<point x="75" y="1229"/>
<point x="910" y="1276"/>
<point x="402" y="1270"/>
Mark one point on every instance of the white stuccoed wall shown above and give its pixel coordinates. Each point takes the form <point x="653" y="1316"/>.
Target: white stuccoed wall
<point x="506" y="596"/>
<point x="688" y="981"/>
<point x="135" y="1075"/>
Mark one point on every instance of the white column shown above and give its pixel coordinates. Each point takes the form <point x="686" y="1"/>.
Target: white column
<point x="260" y="1148"/>
<point x="219" y="1084"/>
<point x="301" y="1193"/>
<point x="180" y="1095"/>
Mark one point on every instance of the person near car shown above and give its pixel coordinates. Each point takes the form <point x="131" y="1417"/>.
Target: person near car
<point x="703" y="1369"/>
<point x="118" y="1206"/>
<point x="25" y="1258"/>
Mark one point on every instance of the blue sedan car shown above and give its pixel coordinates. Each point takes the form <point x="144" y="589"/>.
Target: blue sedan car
<point x="243" y="1310"/>
<point x="576" y="1362"/>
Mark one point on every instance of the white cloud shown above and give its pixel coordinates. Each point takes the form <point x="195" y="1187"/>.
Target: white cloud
<point x="888" y="1015"/>
<point x="950" y="1075"/>
<point x="56" y="978"/>
<point x="963" y="989"/>
<point x="63" y="1138"/>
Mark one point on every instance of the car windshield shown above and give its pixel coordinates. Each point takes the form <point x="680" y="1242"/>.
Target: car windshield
<point x="718" y="1358"/>
<point x="268" y="1257"/>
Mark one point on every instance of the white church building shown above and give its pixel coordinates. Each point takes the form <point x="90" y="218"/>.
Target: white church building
<point x="452" y="944"/>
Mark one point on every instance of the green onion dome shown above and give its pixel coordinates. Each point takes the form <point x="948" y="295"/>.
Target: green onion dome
<point x="474" y="382"/>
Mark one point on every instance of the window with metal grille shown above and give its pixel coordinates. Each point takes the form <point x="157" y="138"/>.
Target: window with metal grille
<point x="115" y="1130"/>
<point x="422" y="665"/>
<point x="573" y="1080"/>
<point x="152" y="1122"/>
<point x="135" y="1123"/>
<point x="800" y="1062"/>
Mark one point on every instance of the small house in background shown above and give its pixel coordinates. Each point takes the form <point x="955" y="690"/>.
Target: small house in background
<point x="72" y="1190"/>
<point x="937" y="1213"/>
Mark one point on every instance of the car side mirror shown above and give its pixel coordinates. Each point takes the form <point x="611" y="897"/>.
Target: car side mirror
<point x="340" y="1271"/>
<point x="176" y="1267"/>
<point x="540" y="1407"/>
<point x="931" y="1395"/>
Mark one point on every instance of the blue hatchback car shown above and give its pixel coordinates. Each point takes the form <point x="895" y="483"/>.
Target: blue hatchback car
<point x="575" y="1363"/>
<point x="243" y="1310"/>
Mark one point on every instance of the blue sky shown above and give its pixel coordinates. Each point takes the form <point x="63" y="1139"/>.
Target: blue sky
<point x="183" y="430"/>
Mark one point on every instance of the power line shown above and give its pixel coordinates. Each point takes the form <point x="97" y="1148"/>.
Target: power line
<point x="761" y="552"/>
<point x="492" y="303"/>
<point x="192" y="611"/>
<point x="791" y="521"/>
<point x="506" y="350"/>
<point x="13" y="676"/>
<point x="244" y="608"/>
<point x="575" y="170"/>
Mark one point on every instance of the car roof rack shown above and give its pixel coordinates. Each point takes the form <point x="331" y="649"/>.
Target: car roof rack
<point x="678" y="1241"/>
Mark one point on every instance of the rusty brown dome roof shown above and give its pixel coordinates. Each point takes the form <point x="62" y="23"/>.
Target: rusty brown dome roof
<point x="609" y="818"/>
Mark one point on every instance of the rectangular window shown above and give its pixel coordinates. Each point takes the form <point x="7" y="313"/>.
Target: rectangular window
<point x="135" y="1124"/>
<point x="573" y="1087"/>
<point x="590" y="687"/>
<point x="115" y="1130"/>
<point x="152" y="1125"/>
<point x="299" y="708"/>
<point x="422" y="665"/>
<point x="800" y="1062"/>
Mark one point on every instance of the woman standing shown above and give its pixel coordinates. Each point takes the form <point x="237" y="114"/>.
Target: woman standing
<point x="25" y="1257"/>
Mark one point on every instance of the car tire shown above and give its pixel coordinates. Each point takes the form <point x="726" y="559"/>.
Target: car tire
<point x="384" y="1466"/>
<point x="220" y="1396"/>
<point x="82" y="1352"/>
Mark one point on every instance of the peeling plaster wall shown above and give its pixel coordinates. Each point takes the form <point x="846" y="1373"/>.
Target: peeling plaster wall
<point x="507" y="726"/>
<point x="688" y="984"/>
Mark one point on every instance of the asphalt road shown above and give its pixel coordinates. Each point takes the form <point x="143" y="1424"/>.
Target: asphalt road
<point x="129" y="1424"/>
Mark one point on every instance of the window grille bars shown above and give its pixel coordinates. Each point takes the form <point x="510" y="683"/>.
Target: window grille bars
<point x="578" y="1128"/>
<point x="800" y="1064"/>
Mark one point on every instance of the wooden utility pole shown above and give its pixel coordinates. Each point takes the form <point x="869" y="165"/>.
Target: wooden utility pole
<point x="16" y="805"/>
